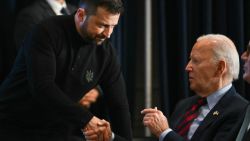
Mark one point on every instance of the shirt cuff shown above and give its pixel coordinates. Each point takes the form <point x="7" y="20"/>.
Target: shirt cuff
<point x="112" y="136"/>
<point x="164" y="133"/>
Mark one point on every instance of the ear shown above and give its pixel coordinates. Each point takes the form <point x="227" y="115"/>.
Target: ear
<point x="221" y="68"/>
<point x="81" y="14"/>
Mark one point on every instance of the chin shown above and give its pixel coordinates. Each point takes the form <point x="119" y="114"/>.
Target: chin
<point x="191" y="86"/>
<point x="99" y="42"/>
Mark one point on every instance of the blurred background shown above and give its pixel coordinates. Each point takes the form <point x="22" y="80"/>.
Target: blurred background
<point x="153" y="40"/>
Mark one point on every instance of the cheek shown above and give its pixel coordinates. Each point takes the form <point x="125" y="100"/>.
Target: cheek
<point x="204" y="75"/>
<point x="94" y="29"/>
<point x="248" y="63"/>
<point x="246" y="76"/>
<point x="247" y="69"/>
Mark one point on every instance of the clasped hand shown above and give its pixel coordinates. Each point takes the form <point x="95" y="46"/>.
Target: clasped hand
<point x="97" y="130"/>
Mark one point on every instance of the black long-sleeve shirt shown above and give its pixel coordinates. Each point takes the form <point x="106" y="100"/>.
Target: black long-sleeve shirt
<point x="53" y="69"/>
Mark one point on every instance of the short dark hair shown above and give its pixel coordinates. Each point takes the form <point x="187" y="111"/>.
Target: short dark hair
<point x="112" y="6"/>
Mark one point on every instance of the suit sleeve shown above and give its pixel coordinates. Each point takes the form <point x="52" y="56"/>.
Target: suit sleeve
<point x="173" y="136"/>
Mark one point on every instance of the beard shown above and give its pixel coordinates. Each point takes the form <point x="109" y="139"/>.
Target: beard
<point x="85" y="35"/>
<point x="88" y="37"/>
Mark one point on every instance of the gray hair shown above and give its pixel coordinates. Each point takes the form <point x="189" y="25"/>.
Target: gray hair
<point x="224" y="49"/>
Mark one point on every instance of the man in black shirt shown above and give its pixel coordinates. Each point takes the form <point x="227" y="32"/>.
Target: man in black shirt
<point x="63" y="58"/>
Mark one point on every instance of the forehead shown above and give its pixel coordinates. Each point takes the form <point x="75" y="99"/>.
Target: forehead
<point x="105" y="17"/>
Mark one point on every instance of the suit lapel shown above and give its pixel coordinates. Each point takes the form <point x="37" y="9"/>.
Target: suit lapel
<point x="215" y="113"/>
<point x="47" y="9"/>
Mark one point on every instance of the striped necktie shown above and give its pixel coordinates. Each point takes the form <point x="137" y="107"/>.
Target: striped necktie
<point x="191" y="114"/>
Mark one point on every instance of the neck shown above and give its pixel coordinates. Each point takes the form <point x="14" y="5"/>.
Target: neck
<point x="212" y="87"/>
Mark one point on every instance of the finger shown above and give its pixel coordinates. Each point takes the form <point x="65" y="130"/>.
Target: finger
<point x="101" y="129"/>
<point x="91" y="137"/>
<point x="85" y="102"/>
<point x="89" y="132"/>
<point x="103" y="123"/>
<point x="147" y="121"/>
<point x="151" y="115"/>
<point x="149" y="110"/>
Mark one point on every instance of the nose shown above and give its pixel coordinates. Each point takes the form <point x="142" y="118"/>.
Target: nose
<point x="244" y="56"/>
<point x="188" y="67"/>
<point x="108" y="31"/>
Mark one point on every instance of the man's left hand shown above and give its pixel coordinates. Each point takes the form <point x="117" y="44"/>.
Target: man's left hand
<point x="102" y="133"/>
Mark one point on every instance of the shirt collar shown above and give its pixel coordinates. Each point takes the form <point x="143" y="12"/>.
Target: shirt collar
<point x="213" y="99"/>
<point x="56" y="6"/>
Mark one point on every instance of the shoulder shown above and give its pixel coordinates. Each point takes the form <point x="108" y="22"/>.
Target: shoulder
<point x="37" y="11"/>
<point x="232" y="105"/>
<point x="52" y="31"/>
<point x="55" y="24"/>
<point x="233" y="99"/>
<point x="35" y="8"/>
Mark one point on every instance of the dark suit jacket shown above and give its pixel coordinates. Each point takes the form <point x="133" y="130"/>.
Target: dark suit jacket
<point x="213" y="127"/>
<point x="236" y="129"/>
<point x="243" y="127"/>
<point x="31" y="16"/>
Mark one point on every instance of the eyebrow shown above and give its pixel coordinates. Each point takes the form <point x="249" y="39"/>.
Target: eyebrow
<point x="106" y="25"/>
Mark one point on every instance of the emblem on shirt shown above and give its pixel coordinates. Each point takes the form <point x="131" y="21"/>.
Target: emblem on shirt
<point x="89" y="76"/>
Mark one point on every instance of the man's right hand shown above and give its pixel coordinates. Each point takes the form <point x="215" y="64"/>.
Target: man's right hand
<point x="100" y="131"/>
<point x="92" y="124"/>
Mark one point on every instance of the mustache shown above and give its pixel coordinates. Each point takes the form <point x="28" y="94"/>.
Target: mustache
<point x="101" y="37"/>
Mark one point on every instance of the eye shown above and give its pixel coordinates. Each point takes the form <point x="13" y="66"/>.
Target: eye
<point x="100" y="26"/>
<point x="194" y="61"/>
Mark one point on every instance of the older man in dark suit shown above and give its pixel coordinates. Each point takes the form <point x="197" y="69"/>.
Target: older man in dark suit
<point x="216" y="107"/>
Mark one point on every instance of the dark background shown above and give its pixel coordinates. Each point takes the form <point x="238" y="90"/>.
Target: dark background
<point x="176" y="25"/>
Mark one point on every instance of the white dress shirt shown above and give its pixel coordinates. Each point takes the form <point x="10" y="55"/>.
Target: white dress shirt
<point x="56" y="6"/>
